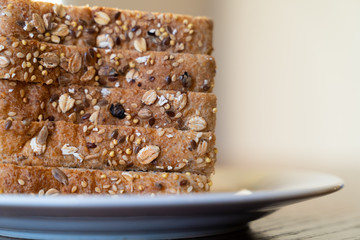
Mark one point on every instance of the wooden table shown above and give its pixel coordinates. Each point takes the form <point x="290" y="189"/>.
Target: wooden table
<point x="335" y="216"/>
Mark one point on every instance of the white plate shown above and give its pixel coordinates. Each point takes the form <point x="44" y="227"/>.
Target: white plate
<point x="102" y="217"/>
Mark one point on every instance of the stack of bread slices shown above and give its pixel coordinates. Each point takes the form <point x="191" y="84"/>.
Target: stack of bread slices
<point x="99" y="100"/>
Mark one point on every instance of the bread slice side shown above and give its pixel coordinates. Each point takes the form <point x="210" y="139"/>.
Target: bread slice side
<point x="50" y="181"/>
<point x="55" y="64"/>
<point x="63" y="144"/>
<point x="108" y="106"/>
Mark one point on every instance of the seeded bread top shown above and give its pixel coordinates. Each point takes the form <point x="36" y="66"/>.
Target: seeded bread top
<point x="105" y="27"/>
<point x="55" y="64"/>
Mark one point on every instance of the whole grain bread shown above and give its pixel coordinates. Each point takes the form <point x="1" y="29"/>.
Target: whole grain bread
<point x="55" y="64"/>
<point x="105" y="27"/>
<point x="50" y="181"/>
<point x="63" y="144"/>
<point x="108" y="106"/>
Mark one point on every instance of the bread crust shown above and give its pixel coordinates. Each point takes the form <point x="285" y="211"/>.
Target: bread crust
<point x="50" y="181"/>
<point x="62" y="144"/>
<point x="55" y="64"/>
<point x="105" y="27"/>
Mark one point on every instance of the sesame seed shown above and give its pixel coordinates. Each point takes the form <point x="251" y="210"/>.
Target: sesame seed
<point x="36" y="54"/>
<point x="55" y="39"/>
<point x="49" y="82"/>
<point x="97" y="189"/>
<point x="101" y="131"/>
<point x="167" y="106"/>
<point x="84" y="184"/>
<point x="105" y="151"/>
<point x="21" y="182"/>
<point x="42" y="47"/>
<point x="112" y="154"/>
<point x="20" y="55"/>
<point x="131" y="64"/>
<point x="52" y="191"/>
<point x="28" y="56"/>
<point x="74" y="189"/>
<point x="132" y="138"/>
<point x="128" y="151"/>
<point x="165" y="175"/>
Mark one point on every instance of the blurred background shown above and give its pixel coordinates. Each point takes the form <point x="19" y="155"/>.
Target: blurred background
<point x="288" y="74"/>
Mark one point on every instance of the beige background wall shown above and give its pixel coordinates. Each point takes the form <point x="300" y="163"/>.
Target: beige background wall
<point x="288" y="77"/>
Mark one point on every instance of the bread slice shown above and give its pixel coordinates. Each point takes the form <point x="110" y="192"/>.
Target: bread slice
<point x="55" y="64"/>
<point x="62" y="144"/>
<point x="105" y="27"/>
<point x="50" y="181"/>
<point x="108" y="106"/>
